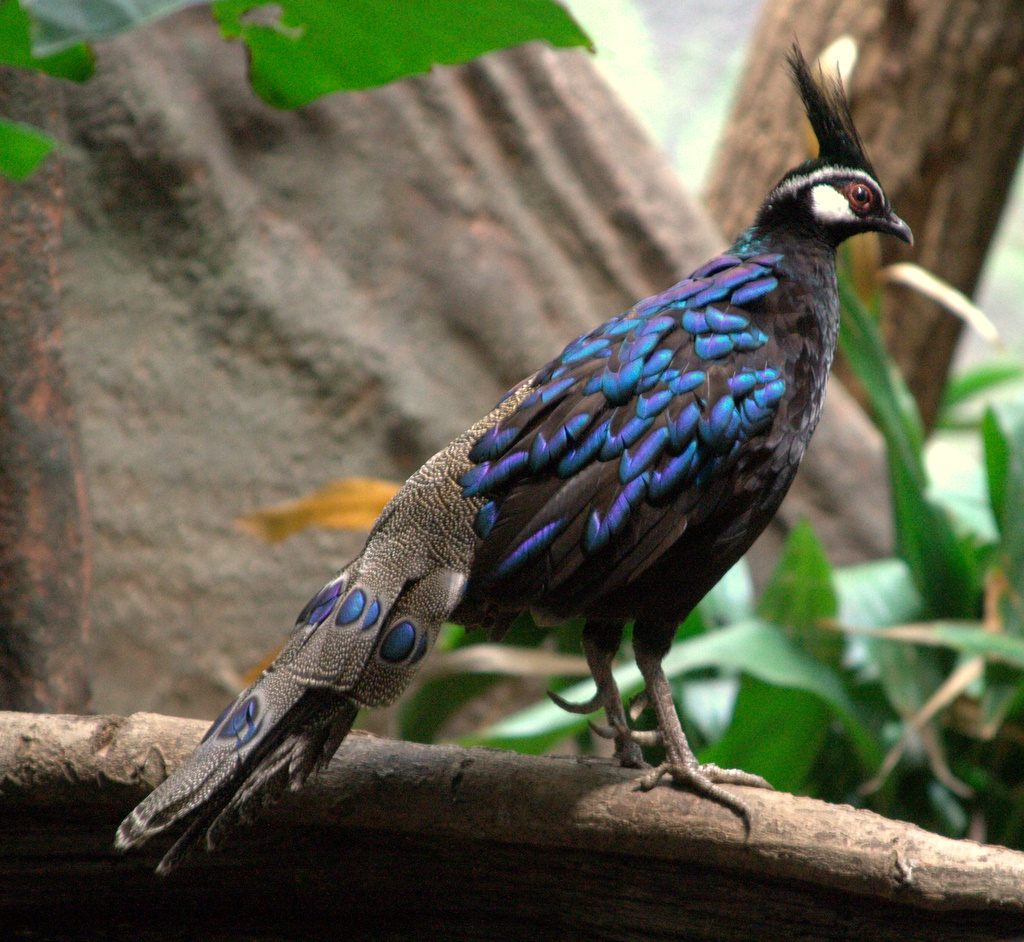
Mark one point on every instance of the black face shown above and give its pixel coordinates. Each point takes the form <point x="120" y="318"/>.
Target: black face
<point x="846" y="202"/>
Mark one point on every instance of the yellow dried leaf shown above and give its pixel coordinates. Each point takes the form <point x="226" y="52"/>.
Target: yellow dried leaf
<point x="252" y="675"/>
<point x="346" y="504"/>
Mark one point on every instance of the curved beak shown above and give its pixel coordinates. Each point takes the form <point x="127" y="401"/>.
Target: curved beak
<point x="897" y="227"/>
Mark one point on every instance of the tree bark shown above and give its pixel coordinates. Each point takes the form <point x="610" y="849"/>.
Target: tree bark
<point x="936" y="97"/>
<point x="398" y="841"/>
<point x="44" y="560"/>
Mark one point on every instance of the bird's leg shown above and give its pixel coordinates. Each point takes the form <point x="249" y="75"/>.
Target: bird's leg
<point x="600" y="644"/>
<point x="680" y="762"/>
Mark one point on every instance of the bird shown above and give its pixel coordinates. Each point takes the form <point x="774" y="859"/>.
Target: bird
<point x="618" y="484"/>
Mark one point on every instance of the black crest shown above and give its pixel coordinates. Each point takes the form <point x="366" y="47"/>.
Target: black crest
<point x="827" y="110"/>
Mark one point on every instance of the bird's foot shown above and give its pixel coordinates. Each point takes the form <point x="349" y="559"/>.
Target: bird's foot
<point x="707" y="780"/>
<point x="628" y="743"/>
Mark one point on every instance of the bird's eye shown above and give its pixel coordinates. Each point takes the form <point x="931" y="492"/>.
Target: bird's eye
<point x="860" y="197"/>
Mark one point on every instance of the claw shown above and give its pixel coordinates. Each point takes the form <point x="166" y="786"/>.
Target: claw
<point x="637" y="705"/>
<point x="707" y="780"/>
<point x="605" y="732"/>
<point x="590" y="706"/>
<point x="642" y="737"/>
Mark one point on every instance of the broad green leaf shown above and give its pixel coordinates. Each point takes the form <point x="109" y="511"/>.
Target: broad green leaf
<point x="1003" y="687"/>
<point x="73" y="62"/>
<point x="964" y="637"/>
<point x="732" y="597"/>
<point x="894" y="406"/>
<point x="1003" y="431"/>
<point x="708" y="703"/>
<point x="775" y="732"/>
<point x="421" y="715"/>
<point x="22" y="149"/>
<point x="60" y="24"/>
<point x="319" y="46"/>
<point x="752" y="646"/>
<point x="908" y="674"/>
<point x="761" y="650"/>
<point x="540" y="726"/>
<point x="877" y="594"/>
<point x="301" y="49"/>
<point x="958" y="485"/>
<point x="800" y="595"/>
<point x="1006" y="473"/>
<point x="997" y="462"/>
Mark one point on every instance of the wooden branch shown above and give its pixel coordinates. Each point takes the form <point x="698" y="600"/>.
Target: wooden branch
<point x="398" y="840"/>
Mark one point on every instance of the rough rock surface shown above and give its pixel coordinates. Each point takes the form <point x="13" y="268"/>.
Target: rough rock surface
<point x="257" y="302"/>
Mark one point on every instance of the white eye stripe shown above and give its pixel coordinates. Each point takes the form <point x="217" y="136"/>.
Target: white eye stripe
<point x="823" y="175"/>
<point x="830" y="206"/>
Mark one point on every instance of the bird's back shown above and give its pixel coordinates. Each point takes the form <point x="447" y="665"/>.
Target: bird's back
<point x="653" y="450"/>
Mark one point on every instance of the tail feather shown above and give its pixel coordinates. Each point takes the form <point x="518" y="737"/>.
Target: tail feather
<point x="357" y="643"/>
<point x="214" y="792"/>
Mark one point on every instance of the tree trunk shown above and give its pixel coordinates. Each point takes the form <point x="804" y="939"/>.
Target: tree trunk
<point x="399" y="841"/>
<point x="936" y="97"/>
<point x="44" y="561"/>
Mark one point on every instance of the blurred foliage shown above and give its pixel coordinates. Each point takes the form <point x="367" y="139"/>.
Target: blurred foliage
<point x="298" y="49"/>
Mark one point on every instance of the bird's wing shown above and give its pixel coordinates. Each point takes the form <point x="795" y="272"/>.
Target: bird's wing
<point x="621" y="443"/>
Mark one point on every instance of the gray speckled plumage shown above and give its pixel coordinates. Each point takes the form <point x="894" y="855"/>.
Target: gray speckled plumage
<point x="619" y="483"/>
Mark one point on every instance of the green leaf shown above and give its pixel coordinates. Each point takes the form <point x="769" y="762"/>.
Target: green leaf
<point x="731" y="598"/>
<point x="761" y="650"/>
<point x="58" y="25"/>
<point x="1002" y="690"/>
<point x="800" y="595"/>
<point x="943" y="567"/>
<point x="877" y="594"/>
<point x="1003" y="434"/>
<point x="22" y="149"/>
<point x="320" y="46"/>
<point x="775" y="733"/>
<point x="74" y="62"/>
<point x="422" y="715"/>
<point x="958" y="485"/>
<point x="977" y="381"/>
<point x="894" y="406"/>
<point x="964" y="637"/>
<point x="997" y="462"/>
<point x="752" y="646"/>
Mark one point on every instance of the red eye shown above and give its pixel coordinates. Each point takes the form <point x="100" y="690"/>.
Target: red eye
<point x="860" y="197"/>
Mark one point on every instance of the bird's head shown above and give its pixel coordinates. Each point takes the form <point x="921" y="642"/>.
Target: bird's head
<point x="837" y="193"/>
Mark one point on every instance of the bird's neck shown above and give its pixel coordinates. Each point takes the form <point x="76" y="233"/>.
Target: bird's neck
<point x="809" y="263"/>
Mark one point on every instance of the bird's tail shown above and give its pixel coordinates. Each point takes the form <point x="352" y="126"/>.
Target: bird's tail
<point x="357" y="643"/>
<point x="245" y="761"/>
